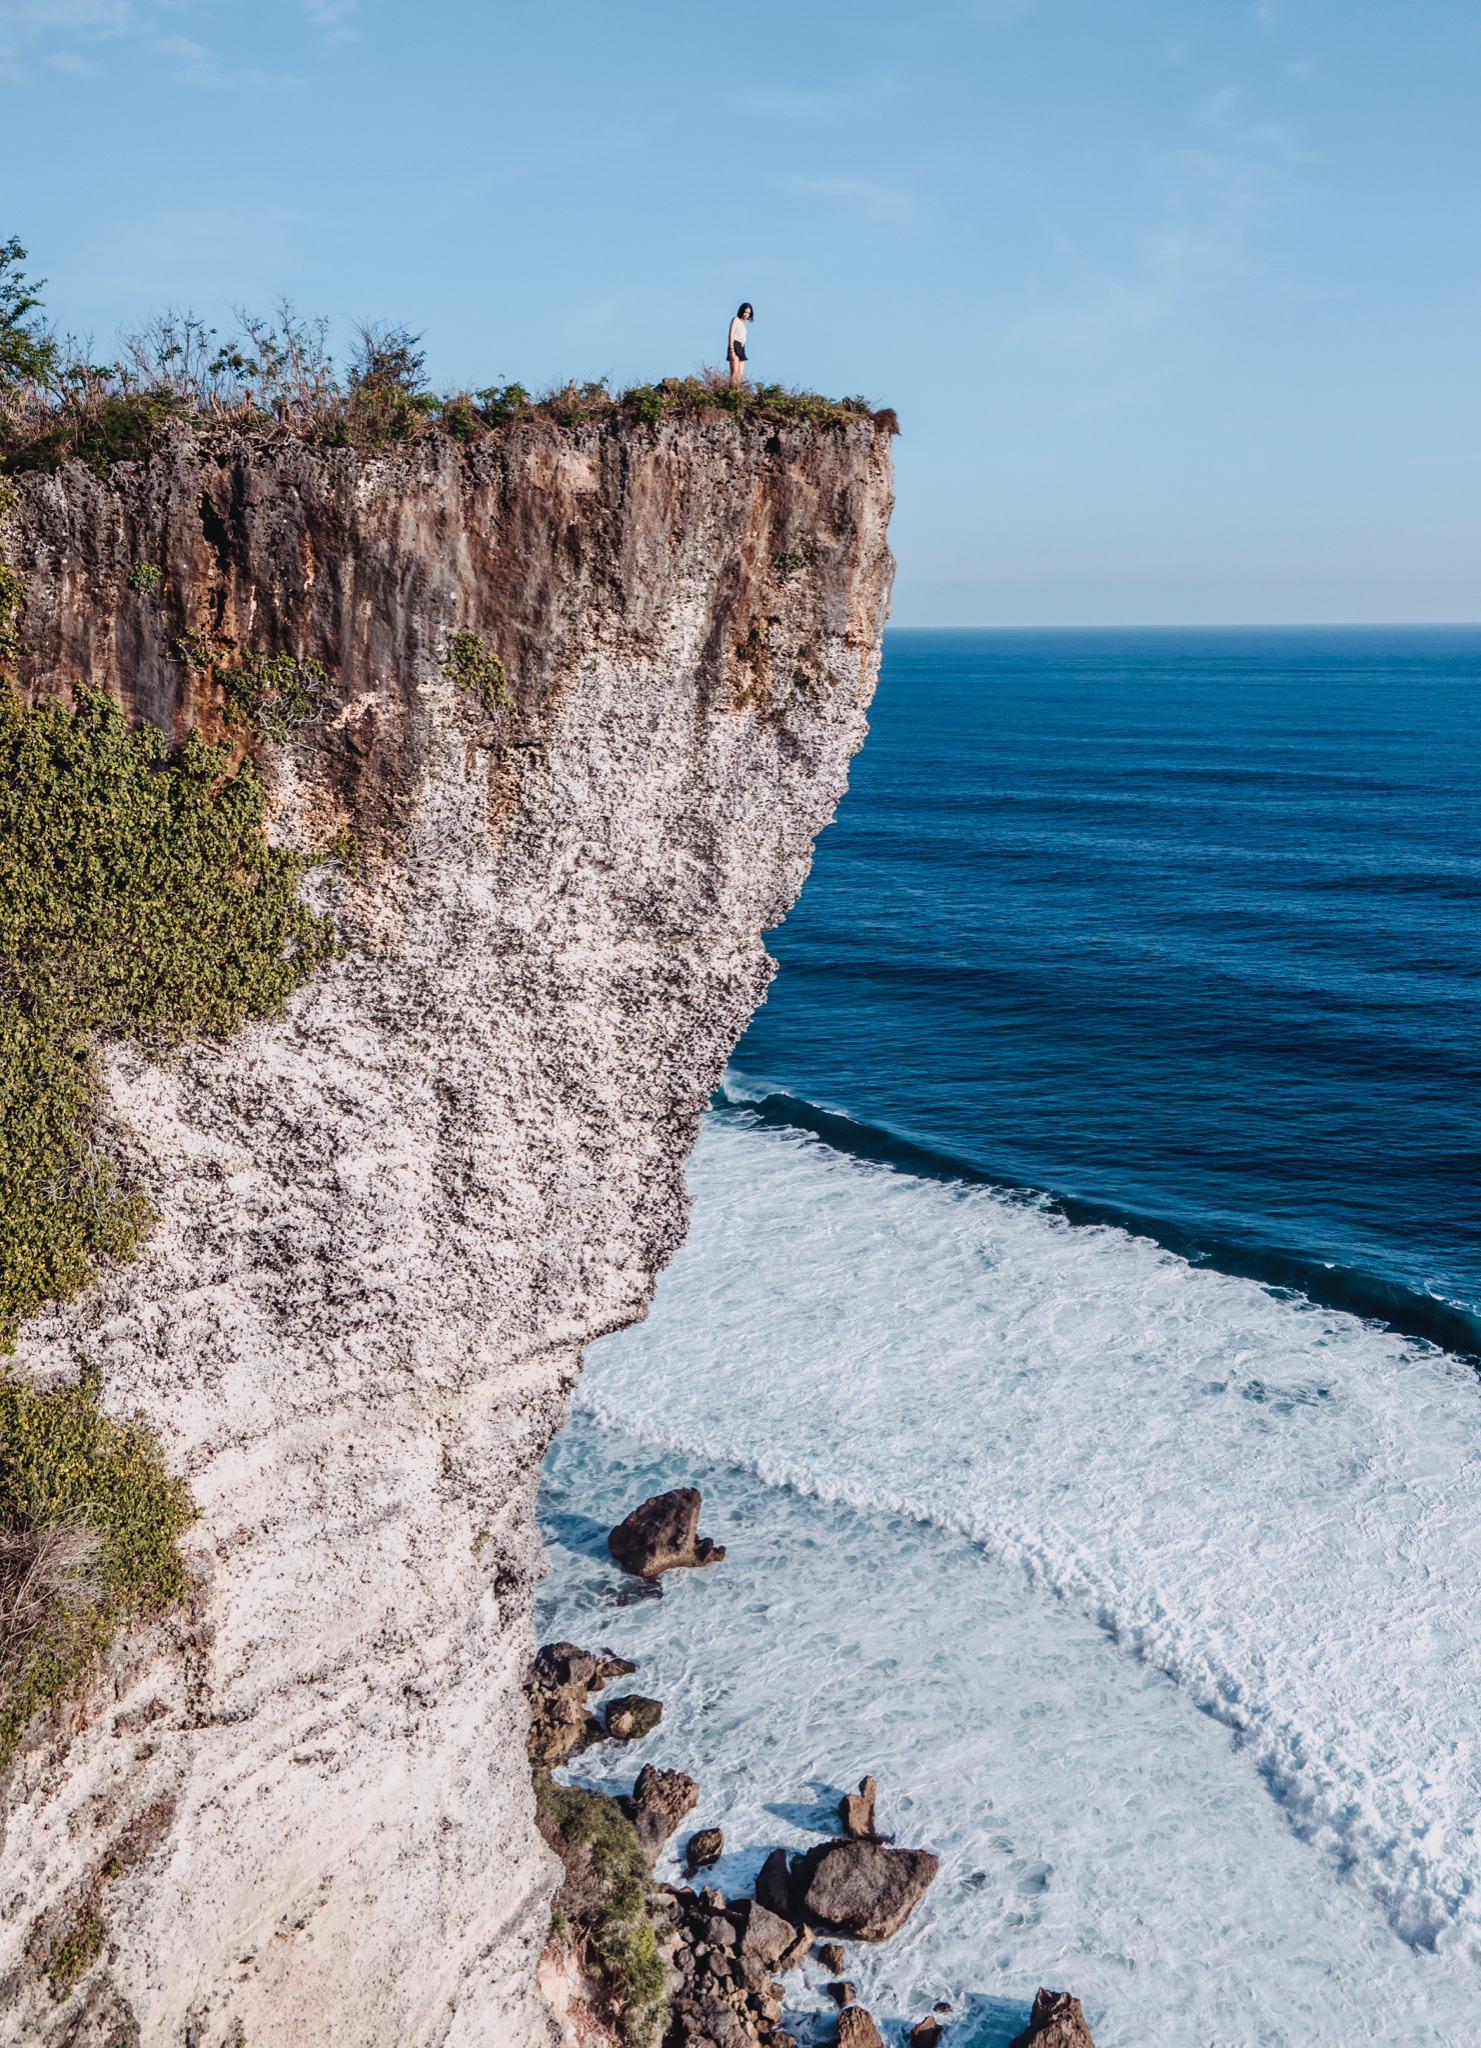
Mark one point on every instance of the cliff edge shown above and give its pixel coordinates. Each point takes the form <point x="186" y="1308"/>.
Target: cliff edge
<point x="297" y="1809"/>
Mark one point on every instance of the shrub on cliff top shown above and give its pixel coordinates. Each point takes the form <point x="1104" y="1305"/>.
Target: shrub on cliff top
<point x="138" y="897"/>
<point x="89" y="1518"/>
<point x="275" y="380"/>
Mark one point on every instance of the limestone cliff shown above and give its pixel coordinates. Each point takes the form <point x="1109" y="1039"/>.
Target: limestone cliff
<point x="389" y="1223"/>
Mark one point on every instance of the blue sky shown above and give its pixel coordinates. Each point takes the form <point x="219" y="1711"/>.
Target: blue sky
<point x="1178" y="303"/>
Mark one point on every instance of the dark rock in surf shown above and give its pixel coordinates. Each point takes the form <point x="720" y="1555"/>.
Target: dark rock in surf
<point x="632" y="1717"/>
<point x="661" y="1536"/>
<point x="830" y="1955"/>
<point x="856" y="2029"/>
<point x="842" y="1993"/>
<point x="1055" y="2022"/>
<point x="703" y="1848"/>
<point x="658" y="1802"/>
<point x="856" y="1812"/>
<point x="560" y="1677"/>
<point x="774" y="1885"/>
<point x="861" y="1888"/>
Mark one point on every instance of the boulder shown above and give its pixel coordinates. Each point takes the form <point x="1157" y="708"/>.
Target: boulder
<point x="633" y="1716"/>
<point x="830" y="1955"/>
<point x="856" y="1812"/>
<point x="862" y="1888"/>
<point x="766" y="1935"/>
<point x="774" y="1885"/>
<point x="658" y="1802"/>
<point x="799" y="1948"/>
<point x="660" y="1536"/>
<point x="925" y="2033"/>
<point x="856" y="2029"/>
<point x="842" y="1993"/>
<point x="1055" y="2022"/>
<point x="559" y="1679"/>
<point x="702" y="1849"/>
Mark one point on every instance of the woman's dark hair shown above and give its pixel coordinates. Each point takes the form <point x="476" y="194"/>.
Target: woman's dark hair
<point x="745" y="310"/>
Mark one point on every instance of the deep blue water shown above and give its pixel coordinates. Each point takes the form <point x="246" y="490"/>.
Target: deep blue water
<point x="1182" y="928"/>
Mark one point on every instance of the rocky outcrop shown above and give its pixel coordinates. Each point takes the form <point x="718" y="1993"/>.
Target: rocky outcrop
<point x="632" y="1717"/>
<point x="663" y="1536"/>
<point x="559" y="1681"/>
<point x="300" y="1809"/>
<point x="1055" y="2022"/>
<point x="658" y="1802"/>
<point x="862" y="1888"/>
<point x="856" y="1811"/>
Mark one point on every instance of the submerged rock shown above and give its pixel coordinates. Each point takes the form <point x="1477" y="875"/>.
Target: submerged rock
<point x="862" y="1888"/>
<point x="1055" y="2022"/>
<point x="632" y="1717"/>
<point x="660" y="1536"/>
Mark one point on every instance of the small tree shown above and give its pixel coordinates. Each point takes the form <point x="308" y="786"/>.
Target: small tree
<point x="28" y="350"/>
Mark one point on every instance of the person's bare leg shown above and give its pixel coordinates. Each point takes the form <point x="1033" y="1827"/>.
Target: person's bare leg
<point x="737" y="368"/>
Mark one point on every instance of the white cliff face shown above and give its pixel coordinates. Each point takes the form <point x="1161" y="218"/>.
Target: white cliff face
<point x="389" y="1222"/>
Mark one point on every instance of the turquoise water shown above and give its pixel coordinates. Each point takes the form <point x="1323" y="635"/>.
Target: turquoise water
<point x="1073" y="1344"/>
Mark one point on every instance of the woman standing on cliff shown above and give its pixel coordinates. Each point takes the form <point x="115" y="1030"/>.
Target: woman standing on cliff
<point x="735" y="348"/>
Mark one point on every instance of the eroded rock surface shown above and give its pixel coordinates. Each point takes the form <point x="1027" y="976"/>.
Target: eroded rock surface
<point x="389" y="1222"/>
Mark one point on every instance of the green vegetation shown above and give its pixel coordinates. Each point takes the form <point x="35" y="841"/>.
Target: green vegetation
<point x="275" y="379"/>
<point x="276" y="693"/>
<point x="75" y="1952"/>
<point x="138" y="897"/>
<point x="88" y="1521"/>
<point x="145" y="578"/>
<point x="603" y="1904"/>
<point x="790" y="565"/>
<point x="474" y="667"/>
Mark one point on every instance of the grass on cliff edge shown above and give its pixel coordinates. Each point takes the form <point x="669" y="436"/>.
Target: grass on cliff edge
<point x="88" y="1521"/>
<point x="275" y="380"/>
<point x="602" y="1906"/>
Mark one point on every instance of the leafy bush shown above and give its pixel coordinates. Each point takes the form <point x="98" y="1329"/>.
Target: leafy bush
<point x="89" y="1518"/>
<point x="474" y="667"/>
<point x="276" y="693"/>
<point x="138" y="896"/>
<point x="603" y="1902"/>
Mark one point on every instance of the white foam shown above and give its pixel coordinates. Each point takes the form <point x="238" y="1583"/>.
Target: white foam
<point x="1277" y="1507"/>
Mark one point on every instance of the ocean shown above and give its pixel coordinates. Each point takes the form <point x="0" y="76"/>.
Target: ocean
<point x="1077" y="1346"/>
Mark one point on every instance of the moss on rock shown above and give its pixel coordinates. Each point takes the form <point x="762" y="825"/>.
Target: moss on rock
<point x="139" y="897"/>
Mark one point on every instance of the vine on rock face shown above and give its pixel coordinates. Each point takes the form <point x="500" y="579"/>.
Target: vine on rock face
<point x="138" y="897"/>
<point x="475" y="667"/>
<point x="88" y="1521"/>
